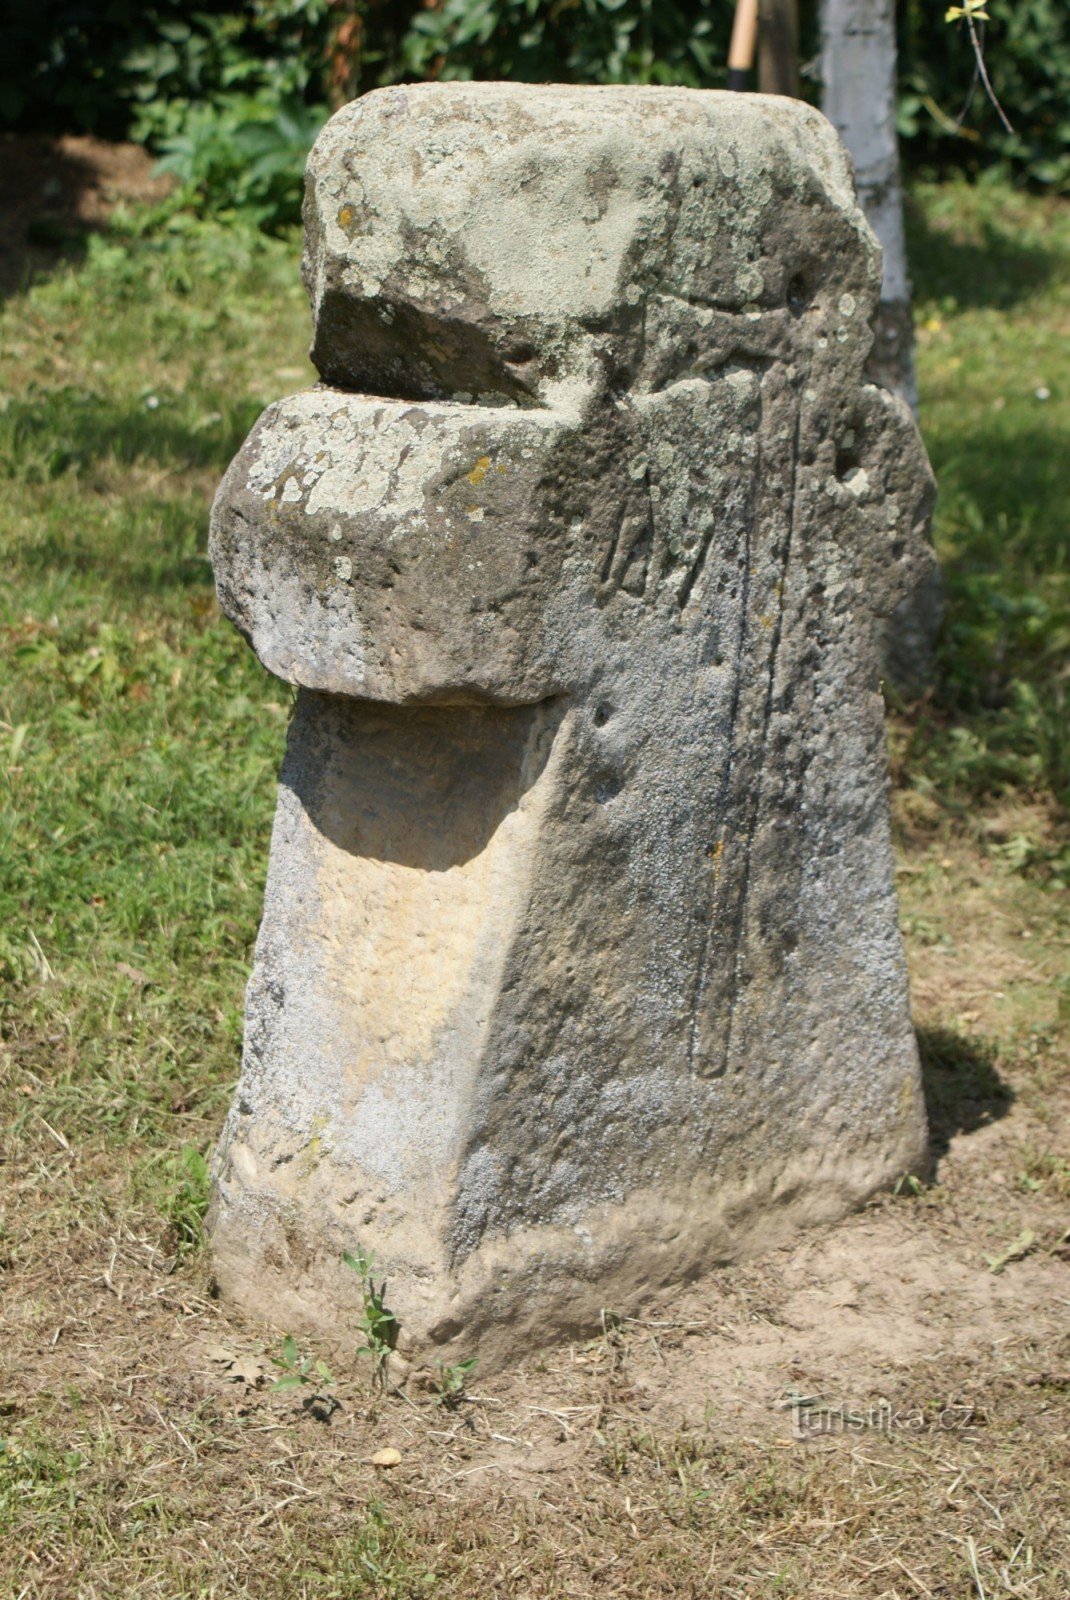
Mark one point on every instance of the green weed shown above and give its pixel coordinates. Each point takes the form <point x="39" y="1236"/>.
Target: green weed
<point x="298" y="1369"/>
<point x="452" y="1379"/>
<point x="377" y="1323"/>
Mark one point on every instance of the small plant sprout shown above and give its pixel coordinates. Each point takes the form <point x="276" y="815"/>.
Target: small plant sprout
<point x="378" y="1324"/>
<point x="613" y="1337"/>
<point x="298" y="1369"/>
<point x="451" y="1383"/>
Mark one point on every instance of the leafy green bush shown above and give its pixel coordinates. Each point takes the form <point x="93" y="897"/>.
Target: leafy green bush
<point x="231" y="86"/>
<point x="225" y="101"/>
<point x="599" y="41"/>
<point x="108" y="67"/>
<point x="228" y="97"/>
<point x="243" y="152"/>
<point x="686" y="41"/>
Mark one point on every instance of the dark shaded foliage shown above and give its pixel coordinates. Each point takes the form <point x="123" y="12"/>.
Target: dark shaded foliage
<point x="222" y="88"/>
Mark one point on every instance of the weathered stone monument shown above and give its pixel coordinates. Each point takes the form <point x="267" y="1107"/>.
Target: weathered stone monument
<point x="579" y="969"/>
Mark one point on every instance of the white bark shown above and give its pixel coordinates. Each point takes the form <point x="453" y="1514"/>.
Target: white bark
<point x="858" y="72"/>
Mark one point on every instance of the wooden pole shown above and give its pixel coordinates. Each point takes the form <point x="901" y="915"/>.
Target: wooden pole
<point x="778" y="47"/>
<point x="744" y="38"/>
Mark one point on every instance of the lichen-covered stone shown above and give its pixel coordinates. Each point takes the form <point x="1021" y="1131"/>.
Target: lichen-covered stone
<point x="580" y="968"/>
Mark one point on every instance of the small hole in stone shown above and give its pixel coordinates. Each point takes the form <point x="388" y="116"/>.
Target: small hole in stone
<point x="520" y="355"/>
<point x="532" y="559"/>
<point x="798" y="292"/>
<point x="847" y="460"/>
<point x="602" y="715"/>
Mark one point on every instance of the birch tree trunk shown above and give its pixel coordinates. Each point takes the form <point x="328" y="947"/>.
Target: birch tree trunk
<point x="859" y="99"/>
<point x="859" y="76"/>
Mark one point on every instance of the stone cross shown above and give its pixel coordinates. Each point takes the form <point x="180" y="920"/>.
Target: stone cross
<point x="579" y="969"/>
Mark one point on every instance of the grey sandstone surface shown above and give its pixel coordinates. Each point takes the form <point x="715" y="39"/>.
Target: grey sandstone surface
<point x="580" y="968"/>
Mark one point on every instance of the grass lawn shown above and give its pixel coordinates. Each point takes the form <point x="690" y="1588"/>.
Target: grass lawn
<point x="143" y="1453"/>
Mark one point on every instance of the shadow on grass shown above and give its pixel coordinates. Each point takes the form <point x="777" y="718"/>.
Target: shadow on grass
<point x="963" y="1090"/>
<point x="130" y="541"/>
<point x="1003" y="482"/>
<point x="152" y="565"/>
<point x="68" y="429"/>
<point x="994" y="268"/>
<point x="57" y="190"/>
<point x="40" y="185"/>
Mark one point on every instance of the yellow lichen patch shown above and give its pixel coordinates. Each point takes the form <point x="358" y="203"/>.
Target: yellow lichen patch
<point x="310" y="1157"/>
<point x="479" y="471"/>
<point x="345" y="216"/>
<point x="313" y="1152"/>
